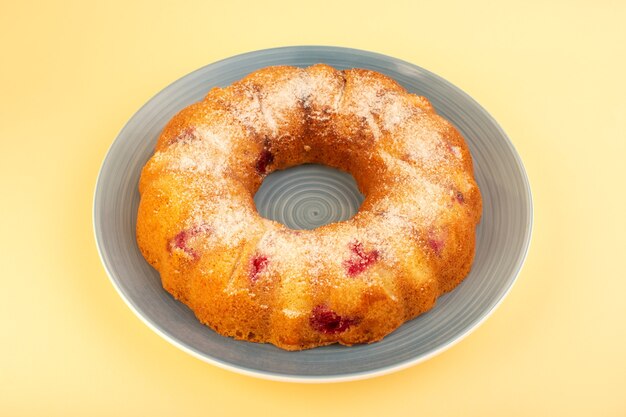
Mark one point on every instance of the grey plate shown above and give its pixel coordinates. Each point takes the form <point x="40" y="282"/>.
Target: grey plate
<point x="502" y="237"/>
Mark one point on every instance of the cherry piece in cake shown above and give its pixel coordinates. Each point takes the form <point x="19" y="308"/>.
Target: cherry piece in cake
<point x="257" y="265"/>
<point x="182" y="240"/>
<point x="360" y="259"/>
<point x="325" y="320"/>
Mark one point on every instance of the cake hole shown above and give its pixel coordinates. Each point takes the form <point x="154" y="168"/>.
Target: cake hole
<point x="308" y="196"/>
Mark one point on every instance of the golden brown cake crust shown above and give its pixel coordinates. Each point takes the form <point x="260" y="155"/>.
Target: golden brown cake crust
<point x="349" y="282"/>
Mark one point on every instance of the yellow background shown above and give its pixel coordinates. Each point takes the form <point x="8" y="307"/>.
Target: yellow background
<point x="552" y="74"/>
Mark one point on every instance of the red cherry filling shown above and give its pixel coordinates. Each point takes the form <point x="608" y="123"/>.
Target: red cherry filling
<point x="459" y="197"/>
<point x="436" y="245"/>
<point x="182" y="240"/>
<point x="325" y="320"/>
<point x="257" y="265"/>
<point x="264" y="159"/>
<point x="436" y="240"/>
<point x="360" y="259"/>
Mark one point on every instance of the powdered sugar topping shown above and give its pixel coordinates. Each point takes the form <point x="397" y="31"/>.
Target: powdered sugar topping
<point x="207" y="153"/>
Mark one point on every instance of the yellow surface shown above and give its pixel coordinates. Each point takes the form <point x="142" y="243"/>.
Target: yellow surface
<point x="553" y="75"/>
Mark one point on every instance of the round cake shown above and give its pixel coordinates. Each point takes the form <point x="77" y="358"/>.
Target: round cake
<point x="350" y="282"/>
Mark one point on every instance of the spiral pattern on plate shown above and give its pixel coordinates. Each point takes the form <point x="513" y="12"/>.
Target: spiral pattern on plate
<point x="308" y="196"/>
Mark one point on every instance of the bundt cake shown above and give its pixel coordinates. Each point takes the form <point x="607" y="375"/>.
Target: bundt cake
<point x="349" y="282"/>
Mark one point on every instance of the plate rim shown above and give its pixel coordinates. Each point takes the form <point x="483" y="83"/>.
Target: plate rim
<point x="277" y="376"/>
